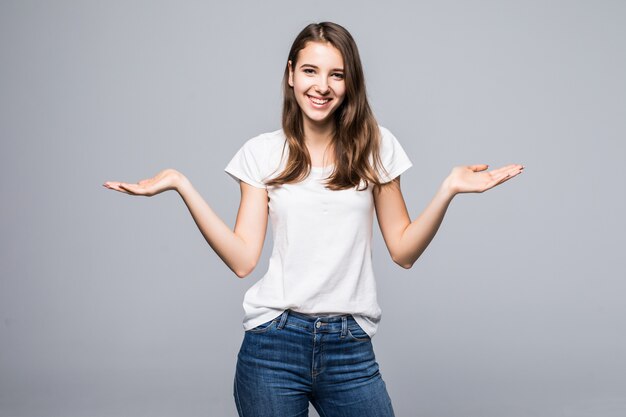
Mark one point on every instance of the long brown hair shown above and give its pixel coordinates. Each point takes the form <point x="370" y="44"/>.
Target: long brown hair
<point x="356" y="136"/>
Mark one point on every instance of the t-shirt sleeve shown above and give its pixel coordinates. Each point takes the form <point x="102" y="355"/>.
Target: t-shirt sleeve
<point x="248" y="164"/>
<point x="392" y="156"/>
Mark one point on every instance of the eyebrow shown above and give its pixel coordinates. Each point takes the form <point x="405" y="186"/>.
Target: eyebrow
<point x="316" y="67"/>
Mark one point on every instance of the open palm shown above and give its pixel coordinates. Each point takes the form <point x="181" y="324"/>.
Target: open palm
<point x="476" y="178"/>
<point x="163" y="181"/>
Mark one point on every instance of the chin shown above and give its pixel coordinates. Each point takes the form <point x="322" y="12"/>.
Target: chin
<point x="320" y="119"/>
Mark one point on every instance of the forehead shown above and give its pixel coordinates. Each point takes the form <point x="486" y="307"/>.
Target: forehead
<point x="320" y="54"/>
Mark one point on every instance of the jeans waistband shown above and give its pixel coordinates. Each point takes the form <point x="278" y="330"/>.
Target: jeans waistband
<point x="313" y="324"/>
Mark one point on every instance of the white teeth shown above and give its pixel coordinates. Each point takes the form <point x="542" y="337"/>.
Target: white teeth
<point x="318" y="101"/>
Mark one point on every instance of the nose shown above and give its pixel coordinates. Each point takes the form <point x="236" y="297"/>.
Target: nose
<point x="322" y="86"/>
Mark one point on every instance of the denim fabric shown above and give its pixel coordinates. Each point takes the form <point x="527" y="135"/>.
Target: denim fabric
<point x="293" y="359"/>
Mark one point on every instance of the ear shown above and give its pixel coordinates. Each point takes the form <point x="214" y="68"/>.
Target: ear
<point x="290" y="73"/>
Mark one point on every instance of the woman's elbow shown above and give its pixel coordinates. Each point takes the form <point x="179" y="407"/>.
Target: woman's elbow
<point x="406" y="265"/>
<point x="241" y="274"/>
<point x="403" y="263"/>
<point x="243" y="271"/>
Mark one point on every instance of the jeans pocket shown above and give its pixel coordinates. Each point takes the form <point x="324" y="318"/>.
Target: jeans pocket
<point x="356" y="332"/>
<point x="263" y="327"/>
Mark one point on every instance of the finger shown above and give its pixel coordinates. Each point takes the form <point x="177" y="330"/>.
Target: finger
<point x="501" y="170"/>
<point x="515" y="170"/>
<point x="510" y="169"/>
<point x="137" y="189"/>
<point x="505" y="177"/>
<point x="479" y="167"/>
<point x="131" y="188"/>
<point x="114" y="185"/>
<point x="503" y="180"/>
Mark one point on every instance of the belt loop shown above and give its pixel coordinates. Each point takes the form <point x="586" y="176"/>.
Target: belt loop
<point x="283" y="319"/>
<point x="344" y="326"/>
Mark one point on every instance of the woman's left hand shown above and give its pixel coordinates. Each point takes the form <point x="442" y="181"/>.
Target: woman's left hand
<point x="475" y="178"/>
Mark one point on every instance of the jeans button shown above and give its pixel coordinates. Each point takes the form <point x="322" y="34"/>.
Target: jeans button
<point x="319" y="324"/>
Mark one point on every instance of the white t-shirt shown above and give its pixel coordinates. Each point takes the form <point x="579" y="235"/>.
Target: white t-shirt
<point x="321" y="262"/>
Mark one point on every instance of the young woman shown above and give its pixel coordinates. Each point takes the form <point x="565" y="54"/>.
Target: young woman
<point x="309" y="321"/>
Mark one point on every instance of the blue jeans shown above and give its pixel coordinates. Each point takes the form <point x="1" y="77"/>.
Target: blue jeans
<point x="293" y="359"/>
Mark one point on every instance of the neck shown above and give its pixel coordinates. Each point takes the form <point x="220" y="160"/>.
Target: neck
<point x="316" y="135"/>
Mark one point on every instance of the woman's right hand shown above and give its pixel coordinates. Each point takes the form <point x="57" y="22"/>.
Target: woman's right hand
<point x="168" y="179"/>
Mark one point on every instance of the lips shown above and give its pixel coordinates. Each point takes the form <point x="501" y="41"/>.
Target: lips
<point x="318" y="101"/>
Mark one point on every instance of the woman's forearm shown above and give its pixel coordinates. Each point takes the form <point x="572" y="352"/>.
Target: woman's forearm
<point x="418" y="234"/>
<point x="226" y="244"/>
<point x="463" y="179"/>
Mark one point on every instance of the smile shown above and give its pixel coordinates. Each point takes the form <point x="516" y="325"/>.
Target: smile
<point x="318" y="101"/>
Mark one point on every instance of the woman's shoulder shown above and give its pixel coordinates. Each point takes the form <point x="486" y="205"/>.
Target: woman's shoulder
<point x="392" y="154"/>
<point x="387" y="139"/>
<point x="257" y="158"/>
<point x="266" y="149"/>
<point x="385" y="134"/>
<point x="265" y="145"/>
<point x="383" y="130"/>
<point x="276" y="137"/>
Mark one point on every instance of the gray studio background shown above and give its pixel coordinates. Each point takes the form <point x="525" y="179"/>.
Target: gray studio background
<point x="114" y="305"/>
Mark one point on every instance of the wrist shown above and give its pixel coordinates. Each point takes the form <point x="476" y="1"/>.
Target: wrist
<point x="447" y="190"/>
<point x="180" y="183"/>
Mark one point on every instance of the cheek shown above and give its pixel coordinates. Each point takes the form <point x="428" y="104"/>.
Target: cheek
<point x="341" y="92"/>
<point x="339" y="88"/>
<point x="301" y="86"/>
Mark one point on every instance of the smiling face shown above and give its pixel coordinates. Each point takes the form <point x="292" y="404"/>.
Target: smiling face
<point x="318" y="82"/>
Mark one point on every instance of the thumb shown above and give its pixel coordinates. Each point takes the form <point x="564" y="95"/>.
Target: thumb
<point x="480" y="167"/>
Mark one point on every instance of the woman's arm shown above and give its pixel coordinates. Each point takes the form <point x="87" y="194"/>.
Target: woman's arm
<point x="407" y="240"/>
<point x="239" y="249"/>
